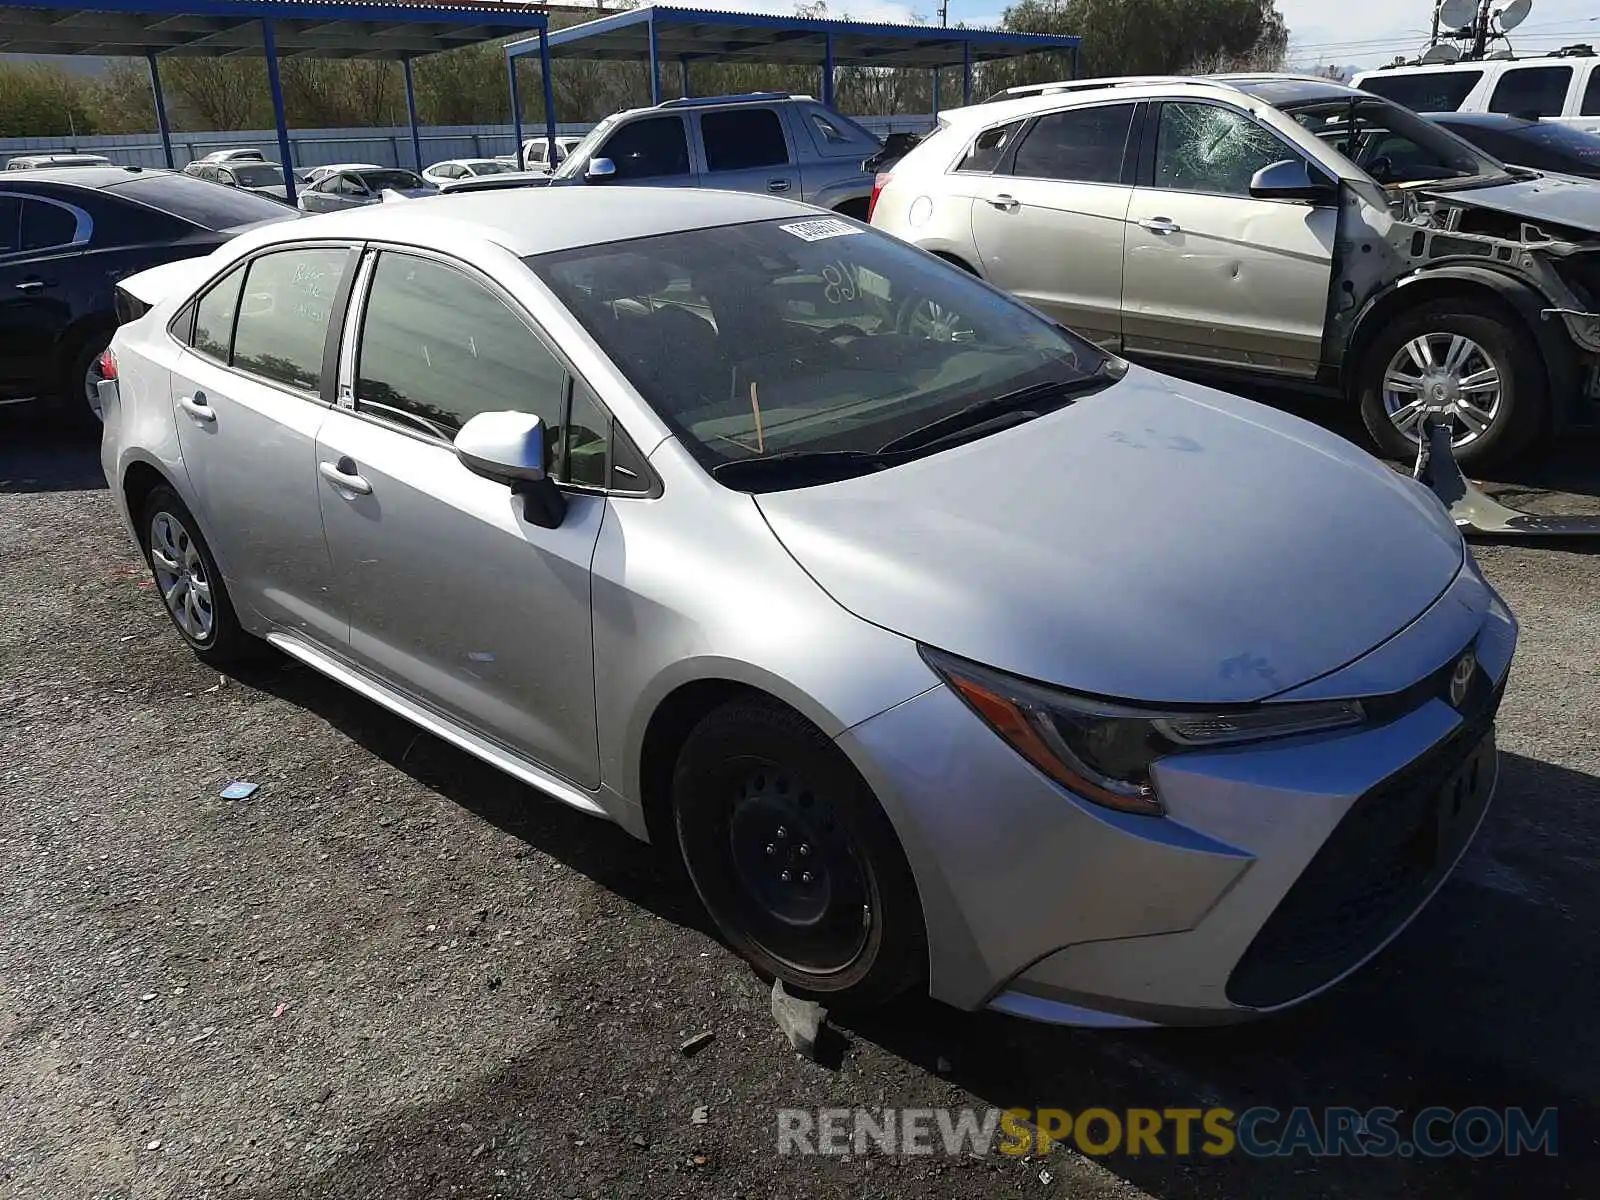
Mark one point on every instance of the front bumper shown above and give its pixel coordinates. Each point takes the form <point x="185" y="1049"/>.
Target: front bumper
<point x="1279" y="868"/>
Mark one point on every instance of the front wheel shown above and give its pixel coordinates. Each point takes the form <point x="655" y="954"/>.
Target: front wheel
<point x="794" y="859"/>
<point x="1471" y="357"/>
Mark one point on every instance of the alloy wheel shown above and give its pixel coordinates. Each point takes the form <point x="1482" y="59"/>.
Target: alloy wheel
<point x="92" y="379"/>
<point x="1445" y="371"/>
<point x="932" y="320"/>
<point x="181" y="575"/>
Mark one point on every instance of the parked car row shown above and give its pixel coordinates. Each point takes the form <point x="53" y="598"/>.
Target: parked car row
<point x="1277" y="228"/>
<point x="840" y="573"/>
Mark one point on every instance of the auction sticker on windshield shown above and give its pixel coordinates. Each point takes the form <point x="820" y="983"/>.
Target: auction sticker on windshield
<point x="819" y="230"/>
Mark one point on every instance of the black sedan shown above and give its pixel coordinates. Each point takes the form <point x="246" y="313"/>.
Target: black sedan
<point x="66" y="236"/>
<point x="1527" y="141"/>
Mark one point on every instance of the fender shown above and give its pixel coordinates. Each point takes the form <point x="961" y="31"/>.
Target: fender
<point x="1561" y="362"/>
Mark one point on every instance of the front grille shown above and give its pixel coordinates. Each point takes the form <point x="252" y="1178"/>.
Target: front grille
<point x="1376" y="868"/>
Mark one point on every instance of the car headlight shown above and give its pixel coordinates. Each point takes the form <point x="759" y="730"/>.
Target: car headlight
<point x="1103" y="750"/>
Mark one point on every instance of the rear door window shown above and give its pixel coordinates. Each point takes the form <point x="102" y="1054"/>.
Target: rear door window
<point x="989" y="149"/>
<point x="648" y="148"/>
<point x="1080" y="145"/>
<point x="10" y="220"/>
<point x="1532" y="91"/>
<point x="743" y="139"/>
<point x="48" y="226"/>
<point x="1425" y="92"/>
<point x="1591" y="95"/>
<point x="282" y="327"/>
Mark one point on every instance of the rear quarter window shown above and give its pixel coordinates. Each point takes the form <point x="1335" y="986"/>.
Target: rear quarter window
<point x="199" y="202"/>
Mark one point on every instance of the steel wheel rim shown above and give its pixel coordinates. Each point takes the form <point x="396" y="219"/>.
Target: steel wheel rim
<point x="92" y="379"/>
<point x="1448" y="373"/>
<point x="181" y="577"/>
<point x="795" y="873"/>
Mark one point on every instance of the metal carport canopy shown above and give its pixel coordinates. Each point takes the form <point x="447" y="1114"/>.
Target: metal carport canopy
<point x="688" y="35"/>
<point x="379" y="29"/>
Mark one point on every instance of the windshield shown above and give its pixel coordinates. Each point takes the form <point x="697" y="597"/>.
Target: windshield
<point x="199" y="201"/>
<point x="257" y="175"/>
<point x="1394" y="145"/>
<point x="489" y="166"/>
<point x="585" y="147"/>
<point x="1547" y="145"/>
<point x="377" y="181"/>
<point x="804" y="335"/>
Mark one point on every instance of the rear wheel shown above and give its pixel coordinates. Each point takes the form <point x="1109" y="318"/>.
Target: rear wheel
<point x="794" y="859"/>
<point x="78" y="400"/>
<point x="1464" y="353"/>
<point x="189" y="582"/>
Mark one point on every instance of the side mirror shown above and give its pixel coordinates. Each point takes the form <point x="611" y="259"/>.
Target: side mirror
<point x="509" y="448"/>
<point x="599" y="170"/>
<point x="1292" y="179"/>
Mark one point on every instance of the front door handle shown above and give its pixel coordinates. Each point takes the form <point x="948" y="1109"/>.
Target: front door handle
<point x="1006" y="203"/>
<point x="777" y="185"/>
<point x="1161" y="225"/>
<point x="30" y="285"/>
<point x="342" y="474"/>
<point x="197" y="407"/>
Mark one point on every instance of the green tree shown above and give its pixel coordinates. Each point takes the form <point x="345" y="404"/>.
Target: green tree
<point x="121" y="101"/>
<point x="42" y="100"/>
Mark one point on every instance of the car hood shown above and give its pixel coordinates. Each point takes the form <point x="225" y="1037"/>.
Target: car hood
<point x="1158" y="541"/>
<point x="1559" y="199"/>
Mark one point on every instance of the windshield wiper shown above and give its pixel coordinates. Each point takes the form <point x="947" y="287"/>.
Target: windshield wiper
<point x="1025" y="402"/>
<point x="803" y="467"/>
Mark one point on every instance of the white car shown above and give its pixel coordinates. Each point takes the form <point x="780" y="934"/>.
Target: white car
<point x="536" y="153"/>
<point x="318" y="174"/>
<point x="36" y="162"/>
<point x="236" y="154"/>
<point x="452" y="169"/>
<point x="1564" y="86"/>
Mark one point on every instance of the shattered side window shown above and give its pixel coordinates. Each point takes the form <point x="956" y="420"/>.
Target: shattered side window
<point x="1207" y="148"/>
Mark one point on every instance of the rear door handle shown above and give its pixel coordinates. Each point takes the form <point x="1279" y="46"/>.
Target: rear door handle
<point x="197" y="407"/>
<point x="30" y="285"/>
<point x="1161" y="225"/>
<point x="342" y="474"/>
<point x="1006" y="203"/>
<point x="777" y="185"/>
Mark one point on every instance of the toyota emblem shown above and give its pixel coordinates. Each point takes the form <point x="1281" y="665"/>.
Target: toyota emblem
<point x="1461" y="677"/>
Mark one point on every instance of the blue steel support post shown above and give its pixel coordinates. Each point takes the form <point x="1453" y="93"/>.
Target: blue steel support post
<point x="411" y="114"/>
<point x="549" y="99"/>
<point x="827" y="70"/>
<point x="683" y="75"/>
<point x="655" y="62"/>
<point x="936" y="91"/>
<point x="1075" y="62"/>
<point x="161" y="112"/>
<point x="516" y="108"/>
<point x="966" y="72"/>
<point x="269" y="43"/>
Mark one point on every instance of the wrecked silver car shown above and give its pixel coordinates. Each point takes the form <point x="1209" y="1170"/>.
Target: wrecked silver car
<point x="1279" y="227"/>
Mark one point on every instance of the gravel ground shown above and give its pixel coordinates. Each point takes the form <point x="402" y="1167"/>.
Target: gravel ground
<point x="393" y="972"/>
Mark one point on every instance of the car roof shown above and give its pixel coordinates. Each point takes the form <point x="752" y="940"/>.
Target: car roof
<point x="1485" y="120"/>
<point x="539" y="220"/>
<point x="1275" y="89"/>
<point x="87" y="177"/>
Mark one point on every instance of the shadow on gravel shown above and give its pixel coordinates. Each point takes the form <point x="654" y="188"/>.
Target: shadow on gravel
<point x="36" y="456"/>
<point x="1486" y="1000"/>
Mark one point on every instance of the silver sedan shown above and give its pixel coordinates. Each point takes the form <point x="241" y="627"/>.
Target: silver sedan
<point x="355" y="188"/>
<point x="949" y="652"/>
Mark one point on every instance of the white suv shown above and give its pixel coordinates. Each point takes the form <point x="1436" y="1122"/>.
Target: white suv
<point x="1277" y="226"/>
<point x="1564" y="87"/>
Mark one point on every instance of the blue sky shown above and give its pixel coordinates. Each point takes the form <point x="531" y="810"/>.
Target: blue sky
<point x="1355" y="32"/>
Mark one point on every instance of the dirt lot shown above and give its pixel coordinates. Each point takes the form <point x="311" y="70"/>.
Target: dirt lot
<point x="394" y="973"/>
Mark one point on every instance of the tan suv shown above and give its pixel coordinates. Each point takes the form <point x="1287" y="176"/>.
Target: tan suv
<point x="1277" y="227"/>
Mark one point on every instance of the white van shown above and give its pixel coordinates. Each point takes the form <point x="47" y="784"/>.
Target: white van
<point x="1564" y="86"/>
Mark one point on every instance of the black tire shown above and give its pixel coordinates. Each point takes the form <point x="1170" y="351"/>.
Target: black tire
<point x="72" y="401"/>
<point x="759" y="790"/>
<point x="224" y="642"/>
<point x="1525" y="390"/>
<point x="856" y="208"/>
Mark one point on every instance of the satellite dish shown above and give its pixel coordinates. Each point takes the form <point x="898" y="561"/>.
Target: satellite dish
<point x="1454" y="14"/>
<point x="1515" y="14"/>
<point x="1441" y="52"/>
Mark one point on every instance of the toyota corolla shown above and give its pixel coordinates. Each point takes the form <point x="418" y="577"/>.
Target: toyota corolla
<point x="950" y="652"/>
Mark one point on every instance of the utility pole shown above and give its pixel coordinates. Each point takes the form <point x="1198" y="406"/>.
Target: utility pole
<point x="944" y="14"/>
<point x="1480" y="38"/>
